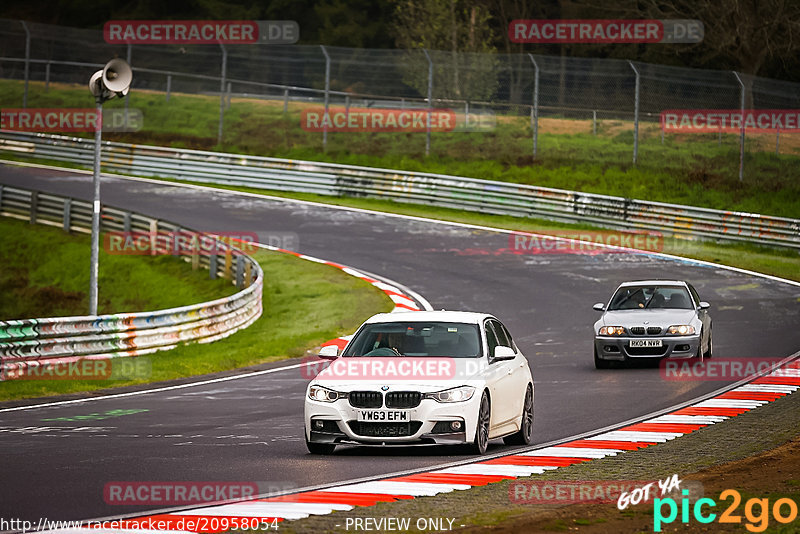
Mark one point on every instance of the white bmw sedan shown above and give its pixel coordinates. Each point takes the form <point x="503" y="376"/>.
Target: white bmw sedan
<point x="421" y="378"/>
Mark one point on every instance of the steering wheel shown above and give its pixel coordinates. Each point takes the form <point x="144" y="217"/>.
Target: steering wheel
<point x="383" y="351"/>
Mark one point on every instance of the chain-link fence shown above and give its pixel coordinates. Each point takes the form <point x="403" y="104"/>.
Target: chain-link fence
<point x="610" y="98"/>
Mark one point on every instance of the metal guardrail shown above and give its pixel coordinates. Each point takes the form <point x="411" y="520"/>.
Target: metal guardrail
<point x="29" y="342"/>
<point x="471" y="194"/>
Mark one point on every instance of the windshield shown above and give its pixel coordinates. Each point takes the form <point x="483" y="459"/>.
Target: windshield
<point x="651" y="297"/>
<point x="419" y="339"/>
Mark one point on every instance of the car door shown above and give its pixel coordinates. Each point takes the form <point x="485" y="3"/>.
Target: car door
<point x="500" y="380"/>
<point x="519" y="377"/>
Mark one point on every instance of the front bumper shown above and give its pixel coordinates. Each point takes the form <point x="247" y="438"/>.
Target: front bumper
<point x="619" y="349"/>
<point x="429" y="424"/>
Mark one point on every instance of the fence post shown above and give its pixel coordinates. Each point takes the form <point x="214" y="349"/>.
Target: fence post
<point x="535" y="109"/>
<point x="741" y="133"/>
<point x="325" y="117"/>
<point x="239" y="271"/>
<point x="47" y="77"/>
<point x="430" y="103"/>
<point x="594" y="122"/>
<point x="169" y="85"/>
<point x="285" y="101"/>
<point x="635" y="115"/>
<point x="222" y="92"/>
<point x="67" y="214"/>
<point x="27" y="63"/>
<point x="34" y="206"/>
<point x="212" y="265"/>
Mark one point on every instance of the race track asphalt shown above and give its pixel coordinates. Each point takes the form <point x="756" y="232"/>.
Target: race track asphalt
<point x="250" y="429"/>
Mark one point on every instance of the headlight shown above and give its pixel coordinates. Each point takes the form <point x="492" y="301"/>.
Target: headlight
<point x="681" y="330"/>
<point x="459" y="394"/>
<point x="319" y="393"/>
<point x="611" y="331"/>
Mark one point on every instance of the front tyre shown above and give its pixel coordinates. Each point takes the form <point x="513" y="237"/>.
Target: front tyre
<point x="319" y="448"/>
<point x="710" y="351"/>
<point x="481" y="441"/>
<point x="600" y="363"/>
<point x="525" y="434"/>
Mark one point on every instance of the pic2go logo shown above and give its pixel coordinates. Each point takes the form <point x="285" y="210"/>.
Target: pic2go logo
<point x="756" y="511"/>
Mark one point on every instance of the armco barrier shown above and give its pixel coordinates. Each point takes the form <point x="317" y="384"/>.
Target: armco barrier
<point x="67" y="339"/>
<point x="470" y="194"/>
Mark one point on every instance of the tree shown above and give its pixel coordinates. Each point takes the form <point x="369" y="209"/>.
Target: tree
<point x="460" y="37"/>
<point x="739" y="34"/>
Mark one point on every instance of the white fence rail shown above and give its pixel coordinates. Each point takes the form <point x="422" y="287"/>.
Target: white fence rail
<point x="469" y="194"/>
<point x="31" y="342"/>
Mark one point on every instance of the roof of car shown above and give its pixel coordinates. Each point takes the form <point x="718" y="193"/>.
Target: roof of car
<point x="434" y="316"/>
<point x="653" y="283"/>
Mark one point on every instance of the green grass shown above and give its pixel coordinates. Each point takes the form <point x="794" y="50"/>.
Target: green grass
<point x="45" y="273"/>
<point x="692" y="170"/>
<point x="305" y="304"/>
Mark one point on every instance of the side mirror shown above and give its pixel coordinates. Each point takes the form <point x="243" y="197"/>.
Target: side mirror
<point x="704" y="305"/>
<point x="599" y="307"/>
<point x="504" y="353"/>
<point x="329" y="352"/>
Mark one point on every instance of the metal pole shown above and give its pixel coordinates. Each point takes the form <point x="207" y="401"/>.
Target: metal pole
<point x="228" y="94"/>
<point x="285" y="101"/>
<point x="535" y="117"/>
<point x="635" y="115"/>
<point x="27" y="62"/>
<point x="594" y="122"/>
<point x="127" y="96"/>
<point x="169" y="85"/>
<point x="325" y="117"/>
<point x="777" y="141"/>
<point x="222" y="92"/>
<point x="47" y="77"/>
<point x="741" y="133"/>
<point x="430" y="103"/>
<point x="98" y="133"/>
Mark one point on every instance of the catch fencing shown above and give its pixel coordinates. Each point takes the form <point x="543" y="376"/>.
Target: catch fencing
<point x="469" y="194"/>
<point x="538" y="86"/>
<point x="60" y="340"/>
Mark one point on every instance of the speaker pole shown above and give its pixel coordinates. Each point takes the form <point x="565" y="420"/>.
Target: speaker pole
<point x="114" y="80"/>
<point x="98" y="133"/>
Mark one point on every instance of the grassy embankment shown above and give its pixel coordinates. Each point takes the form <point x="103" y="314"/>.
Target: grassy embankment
<point x="45" y="273"/>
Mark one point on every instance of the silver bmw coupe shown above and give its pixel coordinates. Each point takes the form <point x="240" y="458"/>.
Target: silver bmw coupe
<point x="652" y="319"/>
